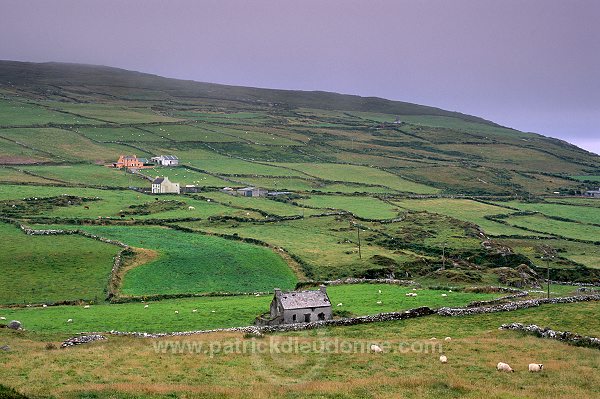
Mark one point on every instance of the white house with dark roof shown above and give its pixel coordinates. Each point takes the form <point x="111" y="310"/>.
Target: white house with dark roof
<point x="162" y="185"/>
<point x="166" y="160"/>
<point x="299" y="307"/>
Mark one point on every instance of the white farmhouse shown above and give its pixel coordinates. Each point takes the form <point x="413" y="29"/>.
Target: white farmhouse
<point x="162" y="185"/>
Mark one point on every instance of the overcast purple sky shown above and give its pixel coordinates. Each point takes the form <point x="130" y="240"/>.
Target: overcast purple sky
<point x="529" y="64"/>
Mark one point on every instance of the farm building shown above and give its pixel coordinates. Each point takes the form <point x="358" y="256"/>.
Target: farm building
<point x="162" y="185"/>
<point x="166" y="160"/>
<point x="246" y="192"/>
<point x="298" y="307"/>
<point x="593" y="193"/>
<point x="130" y="161"/>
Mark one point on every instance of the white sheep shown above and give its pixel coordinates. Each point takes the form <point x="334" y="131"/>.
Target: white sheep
<point x="86" y="307"/>
<point x="447" y="339"/>
<point x="380" y="291"/>
<point x="194" y="310"/>
<point x="2" y="318"/>
<point x="376" y="348"/>
<point x="213" y="311"/>
<point x="504" y="367"/>
<point x="44" y="306"/>
<point x="339" y="304"/>
<point x="177" y="312"/>
<point x="145" y="306"/>
<point x="443" y="359"/>
<point x="535" y="367"/>
<point x="444" y="294"/>
<point x="191" y="208"/>
<point x="70" y="321"/>
<point x="379" y="302"/>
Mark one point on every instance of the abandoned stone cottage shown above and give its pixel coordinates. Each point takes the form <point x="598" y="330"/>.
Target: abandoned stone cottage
<point x="298" y="307"/>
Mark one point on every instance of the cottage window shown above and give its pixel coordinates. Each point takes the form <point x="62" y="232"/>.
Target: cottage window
<point x="321" y="316"/>
<point x="306" y="317"/>
<point x="294" y="317"/>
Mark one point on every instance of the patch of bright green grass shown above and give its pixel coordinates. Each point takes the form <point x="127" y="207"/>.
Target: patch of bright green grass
<point x="52" y="268"/>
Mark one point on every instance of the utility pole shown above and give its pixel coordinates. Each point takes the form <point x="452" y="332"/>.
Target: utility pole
<point x="548" y="274"/>
<point x="358" y="233"/>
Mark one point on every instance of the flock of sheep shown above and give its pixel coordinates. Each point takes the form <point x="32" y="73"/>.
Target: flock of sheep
<point x="501" y="366"/>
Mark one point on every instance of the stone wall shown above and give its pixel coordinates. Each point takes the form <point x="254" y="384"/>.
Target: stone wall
<point x="565" y="336"/>
<point x="514" y="305"/>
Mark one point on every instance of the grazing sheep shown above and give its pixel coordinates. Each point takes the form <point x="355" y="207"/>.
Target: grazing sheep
<point x="535" y="368"/>
<point x="447" y="339"/>
<point x="145" y="306"/>
<point x="86" y="307"/>
<point x="177" y="312"/>
<point x="2" y="318"/>
<point x="449" y="290"/>
<point x="379" y="302"/>
<point x="194" y="310"/>
<point x="191" y="208"/>
<point x="213" y="311"/>
<point x="414" y="289"/>
<point x="380" y="291"/>
<point x="339" y="304"/>
<point x="444" y="294"/>
<point x="443" y="359"/>
<point x="44" y="306"/>
<point x="376" y="348"/>
<point x="70" y="321"/>
<point x="504" y="367"/>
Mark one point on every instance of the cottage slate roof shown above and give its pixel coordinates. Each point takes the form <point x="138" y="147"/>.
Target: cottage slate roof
<point x="169" y="157"/>
<point x="304" y="299"/>
<point x="158" y="180"/>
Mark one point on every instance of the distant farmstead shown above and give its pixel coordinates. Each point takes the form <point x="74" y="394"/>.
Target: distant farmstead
<point x="166" y="160"/>
<point x="593" y="193"/>
<point x="162" y="185"/>
<point x="130" y="161"/>
<point x="246" y="191"/>
<point x="298" y="307"/>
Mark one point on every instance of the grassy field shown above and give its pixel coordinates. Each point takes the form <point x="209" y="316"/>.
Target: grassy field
<point x="560" y="228"/>
<point x="408" y="368"/>
<point x="467" y="210"/>
<point x="589" y="215"/>
<point x="222" y="312"/>
<point x="361" y="206"/>
<point x="195" y="263"/>
<point x="38" y="269"/>
<point x="361" y="174"/>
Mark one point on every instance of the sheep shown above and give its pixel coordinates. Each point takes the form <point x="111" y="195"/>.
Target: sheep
<point x="177" y="312"/>
<point x="376" y="348"/>
<point x="213" y="311"/>
<point x="86" y="307"/>
<point x="191" y="208"/>
<point x="2" y="318"/>
<point x="44" y="306"/>
<point x="379" y="302"/>
<point x="447" y="339"/>
<point x="339" y="304"/>
<point x="535" y="367"/>
<point x="504" y="367"/>
<point x="70" y="321"/>
<point x="443" y="359"/>
<point x="380" y="291"/>
<point x="145" y="306"/>
<point x="444" y="294"/>
<point x="194" y="310"/>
